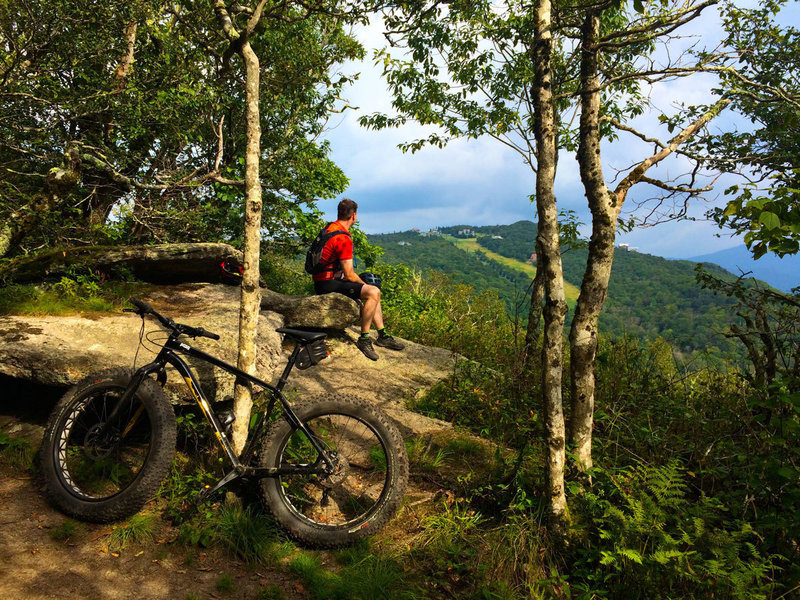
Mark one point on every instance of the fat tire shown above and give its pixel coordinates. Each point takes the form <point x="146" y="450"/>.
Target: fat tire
<point x="327" y="536"/>
<point x="156" y="464"/>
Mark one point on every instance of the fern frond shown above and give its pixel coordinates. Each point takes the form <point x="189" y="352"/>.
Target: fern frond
<point x="631" y="554"/>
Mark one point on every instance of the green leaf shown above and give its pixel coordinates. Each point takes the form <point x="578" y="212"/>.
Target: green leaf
<point x="769" y="220"/>
<point x="632" y="554"/>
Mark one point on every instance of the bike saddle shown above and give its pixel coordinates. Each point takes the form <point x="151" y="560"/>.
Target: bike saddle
<point x="303" y="337"/>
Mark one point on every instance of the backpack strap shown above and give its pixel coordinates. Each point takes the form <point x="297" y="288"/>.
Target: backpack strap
<point x="314" y="263"/>
<point x="328" y="236"/>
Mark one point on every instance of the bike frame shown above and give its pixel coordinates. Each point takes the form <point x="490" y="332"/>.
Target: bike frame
<point x="241" y="466"/>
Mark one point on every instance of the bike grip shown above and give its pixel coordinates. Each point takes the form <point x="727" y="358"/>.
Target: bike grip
<point x="143" y="307"/>
<point x="208" y="334"/>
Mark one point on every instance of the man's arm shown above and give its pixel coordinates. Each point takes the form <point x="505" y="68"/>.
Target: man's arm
<point x="349" y="273"/>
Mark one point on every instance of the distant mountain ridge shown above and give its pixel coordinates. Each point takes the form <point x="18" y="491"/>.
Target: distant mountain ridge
<point x="649" y="296"/>
<point x="780" y="273"/>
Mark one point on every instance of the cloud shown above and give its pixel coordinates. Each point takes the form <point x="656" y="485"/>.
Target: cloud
<point x="482" y="182"/>
<point x="680" y="239"/>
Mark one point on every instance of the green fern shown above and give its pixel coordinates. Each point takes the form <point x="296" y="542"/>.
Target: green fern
<point x="651" y="533"/>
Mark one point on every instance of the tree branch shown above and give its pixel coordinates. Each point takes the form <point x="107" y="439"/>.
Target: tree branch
<point x="639" y="134"/>
<point x="655" y="28"/>
<point x="225" y="21"/>
<point x="220" y="145"/>
<point x="128" y="183"/>
<point x="252" y="23"/>
<point x="777" y="92"/>
<point x="638" y="172"/>
<point x="675" y="188"/>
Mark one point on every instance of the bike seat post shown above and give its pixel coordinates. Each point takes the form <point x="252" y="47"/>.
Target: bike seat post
<point x="284" y="378"/>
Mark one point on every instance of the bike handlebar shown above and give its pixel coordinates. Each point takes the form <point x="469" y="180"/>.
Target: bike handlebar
<point x="143" y="308"/>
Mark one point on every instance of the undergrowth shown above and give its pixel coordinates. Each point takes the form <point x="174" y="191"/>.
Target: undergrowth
<point x="362" y="575"/>
<point x="16" y="452"/>
<point x="66" y="530"/>
<point x="78" y="292"/>
<point x="139" y="528"/>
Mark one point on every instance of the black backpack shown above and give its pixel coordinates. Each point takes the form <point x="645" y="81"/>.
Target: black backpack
<point x="314" y="255"/>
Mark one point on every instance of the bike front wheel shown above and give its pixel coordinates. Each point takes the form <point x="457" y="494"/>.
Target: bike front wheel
<point x="364" y="489"/>
<point x="103" y="471"/>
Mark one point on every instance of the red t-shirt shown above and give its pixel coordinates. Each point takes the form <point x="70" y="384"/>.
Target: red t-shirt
<point x="337" y="249"/>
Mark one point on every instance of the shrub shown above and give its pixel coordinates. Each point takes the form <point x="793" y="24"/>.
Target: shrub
<point x="647" y="533"/>
<point x="225" y="583"/>
<point x="363" y="577"/>
<point x="16" y="452"/>
<point x="66" y="530"/>
<point x="485" y="401"/>
<point x="431" y="309"/>
<point x="246" y="532"/>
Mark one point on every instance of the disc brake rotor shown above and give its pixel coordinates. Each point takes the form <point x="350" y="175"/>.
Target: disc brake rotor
<point x="341" y="468"/>
<point x="98" y="444"/>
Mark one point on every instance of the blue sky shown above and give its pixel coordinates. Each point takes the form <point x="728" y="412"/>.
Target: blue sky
<point x="481" y="182"/>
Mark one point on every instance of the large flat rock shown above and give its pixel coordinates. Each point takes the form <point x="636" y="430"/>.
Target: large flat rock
<point x="60" y="350"/>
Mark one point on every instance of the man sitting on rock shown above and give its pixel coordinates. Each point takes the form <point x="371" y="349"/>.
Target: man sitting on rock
<point x="337" y="275"/>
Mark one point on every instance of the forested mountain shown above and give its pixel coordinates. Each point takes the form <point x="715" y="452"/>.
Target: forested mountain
<point x="649" y="296"/>
<point x="435" y="252"/>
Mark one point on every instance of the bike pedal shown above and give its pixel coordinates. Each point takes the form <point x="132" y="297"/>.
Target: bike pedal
<point x="226" y="419"/>
<point x="204" y="493"/>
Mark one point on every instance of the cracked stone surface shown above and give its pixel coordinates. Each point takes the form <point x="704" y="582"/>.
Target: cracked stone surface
<point x="60" y="350"/>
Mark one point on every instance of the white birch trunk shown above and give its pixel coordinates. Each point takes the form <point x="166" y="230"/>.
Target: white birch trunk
<point x="605" y="206"/>
<point x="251" y="292"/>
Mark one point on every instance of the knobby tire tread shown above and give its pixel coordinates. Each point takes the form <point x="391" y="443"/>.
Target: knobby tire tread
<point x="321" y="536"/>
<point x="163" y="438"/>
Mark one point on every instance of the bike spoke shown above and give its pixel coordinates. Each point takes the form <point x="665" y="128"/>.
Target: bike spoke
<point x="356" y="485"/>
<point x="97" y="460"/>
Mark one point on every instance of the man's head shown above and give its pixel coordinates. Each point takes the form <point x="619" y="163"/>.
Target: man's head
<point x="347" y="209"/>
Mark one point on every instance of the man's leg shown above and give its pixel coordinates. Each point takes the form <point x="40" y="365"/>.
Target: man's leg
<point x="371" y="311"/>
<point x="376" y="316"/>
<point x="371" y="297"/>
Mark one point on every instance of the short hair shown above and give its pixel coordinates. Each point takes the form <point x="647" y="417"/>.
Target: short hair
<point x="346" y="209"/>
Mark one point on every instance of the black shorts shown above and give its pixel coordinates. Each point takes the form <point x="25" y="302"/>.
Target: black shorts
<point x="351" y="289"/>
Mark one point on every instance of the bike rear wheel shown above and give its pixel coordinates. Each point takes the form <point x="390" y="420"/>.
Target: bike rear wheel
<point x="364" y="490"/>
<point x="100" y="471"/>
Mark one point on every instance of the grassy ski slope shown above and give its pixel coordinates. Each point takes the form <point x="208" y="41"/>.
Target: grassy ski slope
<point x="471" y="245"/>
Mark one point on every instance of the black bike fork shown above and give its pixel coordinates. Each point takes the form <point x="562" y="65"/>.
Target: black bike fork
<point x="128" y="394"/>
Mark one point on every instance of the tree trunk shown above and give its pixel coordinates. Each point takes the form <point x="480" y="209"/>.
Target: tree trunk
<point x="251" y="292"/>
<point x="555" y="307"/>
<point x="605" y="206"/>
<point x="165" y="263"/>
<point x="532" y="332"/>
<point x="583" y="333"/>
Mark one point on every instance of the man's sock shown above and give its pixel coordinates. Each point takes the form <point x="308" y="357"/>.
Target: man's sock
<point x="382" y="332"/>
<point x="365" y="334"/>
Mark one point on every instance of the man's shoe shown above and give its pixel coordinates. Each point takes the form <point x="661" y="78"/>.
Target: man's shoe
<point x="387" y="341"/>
<point x="365" y="345"/>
